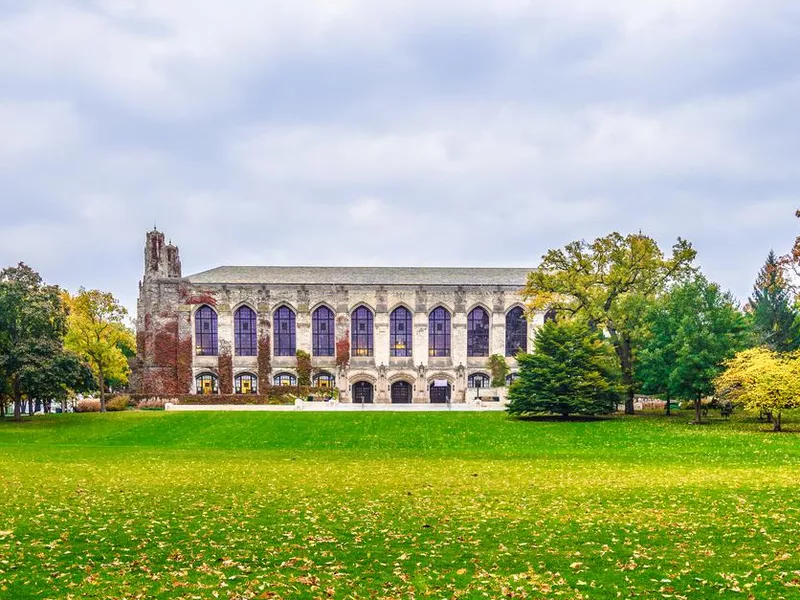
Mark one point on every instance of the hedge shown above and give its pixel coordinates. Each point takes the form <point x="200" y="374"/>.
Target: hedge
<point x="272" y="395"/>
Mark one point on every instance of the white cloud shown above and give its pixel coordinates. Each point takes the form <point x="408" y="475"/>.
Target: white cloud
<point x="361" y="132"/>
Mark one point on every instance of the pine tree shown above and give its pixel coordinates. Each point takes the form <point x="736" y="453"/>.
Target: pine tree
<point x="570" y="371"/>
<point x="774" y="318"/>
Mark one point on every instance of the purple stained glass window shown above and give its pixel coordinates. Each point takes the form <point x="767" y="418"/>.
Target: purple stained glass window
<point x="323" y="332"/>
<point x="516" y="331"/>
<point x="205" y="331"/>
<point x="361" y="335"/>
<point x="244" y="332"/>
<point x="439" y="332"/>
<point x="400" y="332"/>
<point x="285" y="332"/>
<point x="478" y="332"/>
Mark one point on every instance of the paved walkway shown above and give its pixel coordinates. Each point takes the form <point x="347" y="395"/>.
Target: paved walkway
<point x="343" y="407"/>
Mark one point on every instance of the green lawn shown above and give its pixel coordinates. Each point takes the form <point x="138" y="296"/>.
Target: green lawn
<point x="396" y="505"/>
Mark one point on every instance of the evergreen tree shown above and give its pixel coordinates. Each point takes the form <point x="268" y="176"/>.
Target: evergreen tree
<point x="570" y="371"/>
<point x="774" y="317"/>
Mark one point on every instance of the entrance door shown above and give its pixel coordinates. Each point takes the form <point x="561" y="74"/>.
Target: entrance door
<point x="401" y="392"/>
<point x="362" y="392"/>
<point x="440" y="394"/>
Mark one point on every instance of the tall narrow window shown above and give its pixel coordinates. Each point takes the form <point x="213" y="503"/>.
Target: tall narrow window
<point x="439" y="332"/>
<point x="284" y="327"/>
<point x="478" y="332"/>
<point x="244" y="331"/>
<point x="400" y="332"/>
<point x="361" y="335"/>
<point x="205" y="331"/>
<point x="516" y="332"/>
<point x="323" y="332"/>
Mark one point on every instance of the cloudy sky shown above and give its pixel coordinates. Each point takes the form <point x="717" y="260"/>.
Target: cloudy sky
<point x="396" y="132"/>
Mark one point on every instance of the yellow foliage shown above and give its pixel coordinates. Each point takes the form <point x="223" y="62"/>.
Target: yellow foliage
<point x="761" y="380"/>
<point x="96" y="332"/>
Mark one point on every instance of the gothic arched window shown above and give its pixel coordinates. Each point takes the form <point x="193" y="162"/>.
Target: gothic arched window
<point x="284" y="379"/>
<point x="205" y="331"/>
<point x="516" y="331"/>
<point x="439" y="332"/>
<point x="245" y="383"/>
<point x="478" y="332"/>
<point x="244" y="332"/>
<point x="323" y="332"/>
<point x="284" y="327"/>
<point x="400" y="332"/>
<point x="361" y="336"/>
<point x="478" y="380"/>
<point x="207" y="383"/>
<point x="324" y="380"/>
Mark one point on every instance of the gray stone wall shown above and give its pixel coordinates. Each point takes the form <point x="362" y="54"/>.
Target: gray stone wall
<point x="168" y="303"/>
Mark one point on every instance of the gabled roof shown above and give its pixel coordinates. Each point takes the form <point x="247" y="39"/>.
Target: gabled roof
<point x="515" y="277"/>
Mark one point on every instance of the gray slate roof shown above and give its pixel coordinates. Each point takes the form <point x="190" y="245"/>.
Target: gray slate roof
<point x="363" y="276"/>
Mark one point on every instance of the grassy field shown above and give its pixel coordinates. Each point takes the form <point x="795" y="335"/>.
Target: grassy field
<point x="373" y="505"/>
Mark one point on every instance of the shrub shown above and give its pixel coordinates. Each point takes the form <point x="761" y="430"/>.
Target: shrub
<point x="86" y="405"/>
<point x="117" y="403"/>
<point x="155" y="403"/>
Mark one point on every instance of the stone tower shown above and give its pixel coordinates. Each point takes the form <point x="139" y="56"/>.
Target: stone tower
<point x="160" y="325"/>
<point x="160" y="261"/>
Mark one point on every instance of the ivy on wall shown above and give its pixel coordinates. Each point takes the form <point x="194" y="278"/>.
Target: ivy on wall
<point x="303" y="368"/>
<point x="343" y="350"/>
<point x="225" y="368"/>
<point x="499" y="369"/>
<point x="264" y="361"/>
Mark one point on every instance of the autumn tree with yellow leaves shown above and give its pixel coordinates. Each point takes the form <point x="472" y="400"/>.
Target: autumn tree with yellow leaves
<point x="762" y="380"/>
<point x="96" y="332"/>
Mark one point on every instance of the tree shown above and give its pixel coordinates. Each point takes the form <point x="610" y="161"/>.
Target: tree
<point x="570" y="371"/>
<point x="608" y="282"/>
<point x="33" y="362"/>
<point x="773" y="315"/>
<point x="96" y="333"/>
<point x="762" y="380"/>
<point x="690" y="331"/>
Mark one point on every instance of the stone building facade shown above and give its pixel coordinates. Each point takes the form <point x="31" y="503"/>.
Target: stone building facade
<point x="377" y="334"/>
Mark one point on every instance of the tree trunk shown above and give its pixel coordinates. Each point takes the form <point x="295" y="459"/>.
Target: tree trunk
<point x="102" y="380"/>
<point x="17" y="400"/>
<point x="622" y="348"/>
<point x="776" y="422"/>
<point x="697" y="417"/>
<point x="669" y="410"/>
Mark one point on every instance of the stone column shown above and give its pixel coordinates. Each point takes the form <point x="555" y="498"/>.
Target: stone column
<point x="420" y="345"/>
<point x="497" y="340"/>
<point x="342" y="336"/>
<point x="303" y="323"/>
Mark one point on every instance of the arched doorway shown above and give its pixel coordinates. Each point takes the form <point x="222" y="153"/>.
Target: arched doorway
<point x="440" y="391"/>
<point x="401" y="392"/>
<point x="362" y="392"/>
